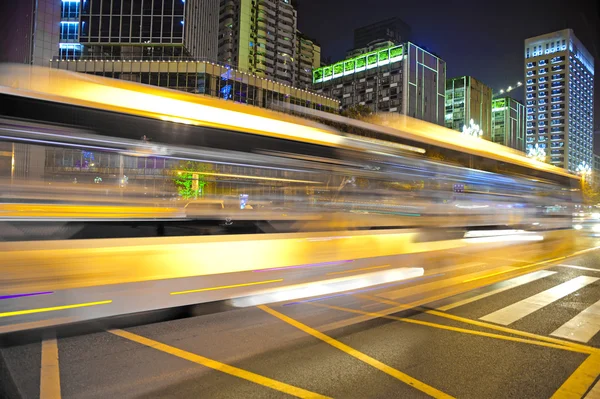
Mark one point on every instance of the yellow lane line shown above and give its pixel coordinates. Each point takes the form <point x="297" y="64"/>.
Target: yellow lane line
<point x="421" y="386"/>
<point x="53" y="309"/>
<point x="478" y="323"/>
<point x="226" y="287"/>
<point x="516" y="268"/>
<point x="359" y="270"/>
<point x="216" y="365"/>
<point x="455" y="329"/>
<point x="580" y="381"/>
<point x="49" y="370"/>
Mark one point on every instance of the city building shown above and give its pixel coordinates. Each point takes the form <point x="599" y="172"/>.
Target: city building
<point x="206" y="78"/>
<point x="559" y="84"/>
<point x="29" y="31"/>
<point x="308" y="57"/>
<point x="508" y="123"/>
<point x="403" y="78"/>
<point x="161" y="29"/>
<point x="468" y="99"/>
<point x="373" y="46"/>
<point x="259" y="37"/>
<point x="392" y="29"/>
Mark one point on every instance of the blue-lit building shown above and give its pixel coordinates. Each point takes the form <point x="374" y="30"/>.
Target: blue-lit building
<point x="559" y="84"/>
<point x="69" y="46"/>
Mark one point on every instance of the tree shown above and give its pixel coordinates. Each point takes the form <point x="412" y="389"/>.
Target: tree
<point x="190" y="178"/>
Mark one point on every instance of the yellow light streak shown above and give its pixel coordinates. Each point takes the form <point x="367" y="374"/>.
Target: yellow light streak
<point x="226" y="287"/>
<point x="53" y="309"/>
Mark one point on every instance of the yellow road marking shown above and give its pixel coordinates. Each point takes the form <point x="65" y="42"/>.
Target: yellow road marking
<point x="49" y="370"/>
<point x="455" y="329"/>
<point x="594" y="393"/>
<point x="478" y="323"/>
<point x="53" y="309"/>
<point x="359" y="355"/>
<point x="226" y="287"/>
<point x="216" y="365"/>
<point x="519" y="268"/>
<point x="580" y="381"/>
<point x="359" y="270"/>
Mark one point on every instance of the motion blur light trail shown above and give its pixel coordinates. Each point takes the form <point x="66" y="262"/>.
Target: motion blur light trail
<point x="326" y="287"/>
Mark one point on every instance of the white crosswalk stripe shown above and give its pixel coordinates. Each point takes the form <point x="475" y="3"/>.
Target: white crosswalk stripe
<point x="527" y="306"/>
<point x="506" y="285"/>
<point x="582" y="327"/>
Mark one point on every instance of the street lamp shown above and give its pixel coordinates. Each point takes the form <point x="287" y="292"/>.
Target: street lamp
<point x="537" y="153"/>
<point x="472" y="130"/>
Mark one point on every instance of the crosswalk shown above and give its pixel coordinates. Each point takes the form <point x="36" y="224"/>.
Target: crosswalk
<point x="581" y="328"/>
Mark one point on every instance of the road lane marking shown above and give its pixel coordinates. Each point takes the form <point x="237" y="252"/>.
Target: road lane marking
<point x="223" y="287"/>
<point x="53" y="309"/>
<point x="421" y="386"/>
<point x="581" y="348"/>
<point x="433" y="286"/>
<point x="433" y="298"/>
<point x="49" y="370"/>
<point x="580" y="268"/>
<point x="512" y="283"/>
<point x="580" y="381"/>
<point x="216" y="365"/>
<point x="359" y="270"/>
<point x="594" y="393"/>
<point x="517" y="268"/>
<point x="456" y="329"/>
<point x="582" y="327"/>
<point x="517" y="311"/>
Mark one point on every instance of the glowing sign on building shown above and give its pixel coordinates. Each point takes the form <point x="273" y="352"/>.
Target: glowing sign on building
<point x="359" y="63"/>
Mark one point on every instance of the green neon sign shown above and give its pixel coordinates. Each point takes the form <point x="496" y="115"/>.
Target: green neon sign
<point x="358" y="63"/>
<point x="499" y="103"/>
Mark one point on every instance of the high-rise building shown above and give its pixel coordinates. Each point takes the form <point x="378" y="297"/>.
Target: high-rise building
<point x="559" y="84"/>
<point x="403" y="78"/>
<point x="142" y="29"/>
<point x="29" y="31"/>
<point x="308" y="56"/>
<point x="508" y="123"/>
<point x="468" y="99"/>
<point x="391" y="29"/>
<point x="259" y="37"/>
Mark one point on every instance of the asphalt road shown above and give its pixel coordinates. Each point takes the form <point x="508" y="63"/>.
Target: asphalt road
<point x="503" y="328"/>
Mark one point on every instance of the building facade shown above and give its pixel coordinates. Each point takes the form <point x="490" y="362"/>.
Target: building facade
<point x="206" y="78"/>
<point x="308" y="57"/>
<point x="391" y="29"/>
<point x="468" y="99"/>
<point x="508" y="123"/>
<point x="142" y="29"/>
<point x="404" y="79"/>
<point x="29" y="31"/>
<point x="259" y="37"/>
<point x="559" y="84"/>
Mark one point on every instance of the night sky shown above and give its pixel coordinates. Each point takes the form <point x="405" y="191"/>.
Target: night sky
<point x="484" y="39"/>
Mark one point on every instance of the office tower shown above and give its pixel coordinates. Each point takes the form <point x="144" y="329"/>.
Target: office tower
<point x="559" y="83"/>
<point x="391" y="29"/>
<point x="403" y="78"/>
<point x="148" y="29"/>
<point x="468" y="99"/>
<point x="259" y="37"/>
<point x="308" y="56"/>
<point x="508" y="123"/>
<point x="29" y="31"/>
